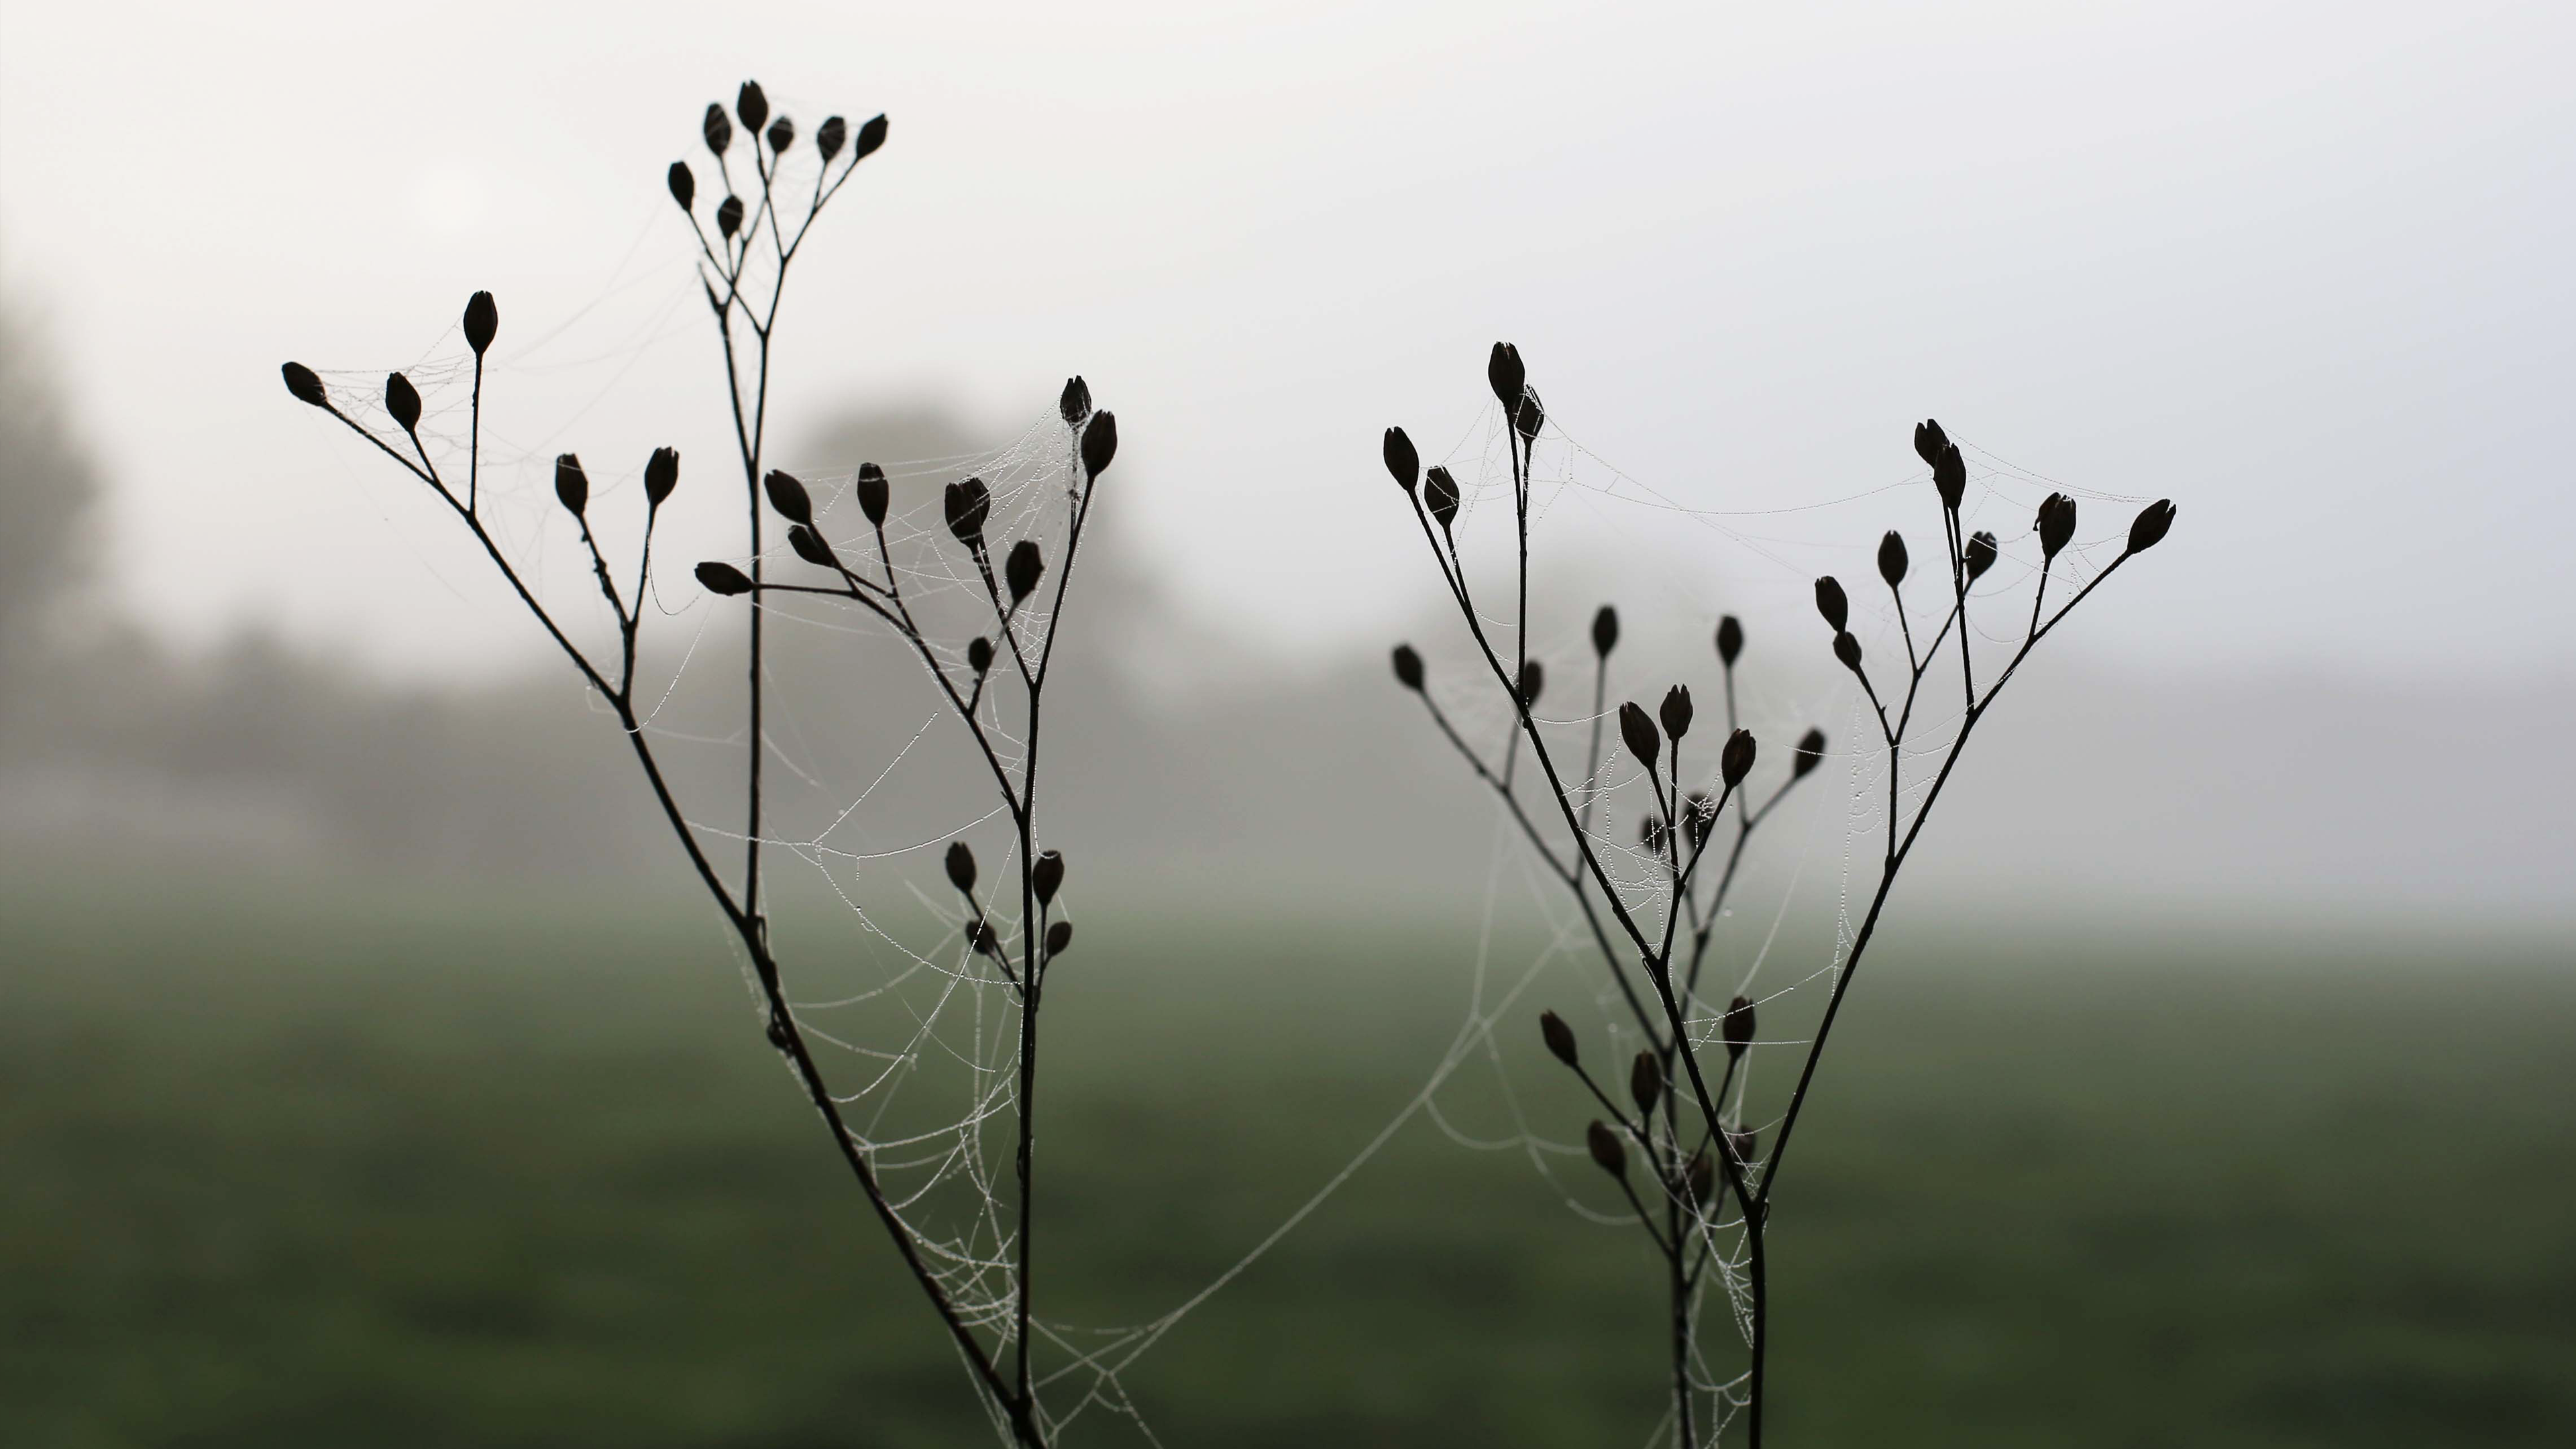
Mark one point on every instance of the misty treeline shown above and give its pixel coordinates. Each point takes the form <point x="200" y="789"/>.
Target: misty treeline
<point x="1184" y="745"/>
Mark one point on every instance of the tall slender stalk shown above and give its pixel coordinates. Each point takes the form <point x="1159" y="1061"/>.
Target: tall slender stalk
<point x="1677" y="833"/>
<point x="745" y="299"/>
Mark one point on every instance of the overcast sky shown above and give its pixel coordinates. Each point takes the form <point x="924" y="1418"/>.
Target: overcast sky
<point x="2304" y="268"/>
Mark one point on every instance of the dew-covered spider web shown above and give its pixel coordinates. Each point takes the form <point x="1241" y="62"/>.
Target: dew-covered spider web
<point x="872" y="780"/>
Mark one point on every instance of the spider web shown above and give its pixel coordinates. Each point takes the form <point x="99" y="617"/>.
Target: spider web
<point x="920" y="1030"/>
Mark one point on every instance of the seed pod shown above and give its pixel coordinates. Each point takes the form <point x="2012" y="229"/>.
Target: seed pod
<point x="1702" y="1179"/>
<point x="1440" y="495"/>
<point x="1074" y="403"/>
<point x="1652" y="835"/>
<point x="1403" y="464"/>
<point x="1047" y="875"/>
<point x="1606" y="1149"/>
<point x="1698" y="813"/>
<point x="684" y="185"/>
<point x="402" y="400"/>
<point x="1980" y="554"/>
<point x="2151" y="525"/>
<point x="873" y="492"/>
<point x="751" y="104"/>
<point x="482" y="321"/>
<point x="1533" y="680"/>
<point x="829" y="136"/>
<point x="1676" y="712"/>
<point x="1020" y="571"/>
<point x="572" y="486"/>
<point x="1059" y="936"/>
<point x="1831" y="603"/>
<point x="979" y="655"/>
<point x="1929" y="440"/>
<point x="1847" y="649"/>
<point x="968" y="503"/>
<point x="1639" y="733"/>
<point x="788" y="496"/>
<point x="1950" y="478"/>
<point x="979" y="935"/>
<point x="1504" y="372"/>
<point x="810" y="546"/>
<point x="304" y="385"/>
<point x="1743" y="1143"/>
<point x="961" y="865"/>
<point x="2056" y="524"/>
<point x="782" y="134"/>
<point x="1737" y="762"/>
<point x="1646" y="1082"/>
<point x="1809" y="754"/>
<point x="1099" y="443"/>
<point x="1605" y="631"/>
<point x="871" y="136"/>
<point x="717" y="128"/>
<point x="661" y="476"/>
<point x="1730" y="640"/>
<point x="723" y="579"/>
<point x="729" y="216"/>
<point x="1891" y="558"/>
<point x="1559" y="1038"/>
<point x="1737" y="1025"/>
<point x="1408" y="668"/>
<point x="1529" y="417"/>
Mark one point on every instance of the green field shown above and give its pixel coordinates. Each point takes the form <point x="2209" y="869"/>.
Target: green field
<point x="377" y="1171"/>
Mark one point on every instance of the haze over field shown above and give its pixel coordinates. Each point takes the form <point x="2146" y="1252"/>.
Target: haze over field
<point x="2299" y="270"/>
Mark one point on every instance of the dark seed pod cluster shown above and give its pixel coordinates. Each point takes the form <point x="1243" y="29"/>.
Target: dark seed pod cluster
<point x="1074" y="403"/>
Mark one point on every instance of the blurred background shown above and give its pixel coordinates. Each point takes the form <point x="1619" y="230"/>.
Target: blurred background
<point x="370" y="1072"/>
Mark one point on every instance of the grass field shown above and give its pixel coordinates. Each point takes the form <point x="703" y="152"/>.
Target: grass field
<point x="284" y="1171"/>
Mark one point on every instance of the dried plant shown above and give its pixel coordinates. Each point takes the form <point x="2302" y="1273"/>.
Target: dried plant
<point x="744" y="264"/>
<point x="1708" y="1185"/>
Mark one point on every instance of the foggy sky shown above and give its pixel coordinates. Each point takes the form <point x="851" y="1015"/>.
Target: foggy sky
<point x="2302" y="269"/>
